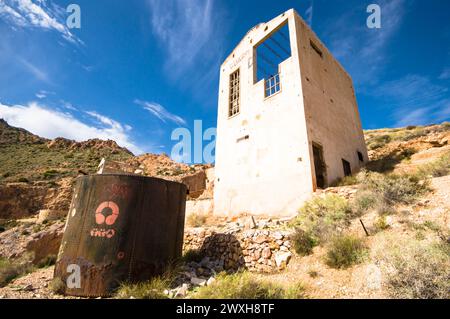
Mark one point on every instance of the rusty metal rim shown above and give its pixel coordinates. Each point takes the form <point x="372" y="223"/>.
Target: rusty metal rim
<point x="133" y="176"/>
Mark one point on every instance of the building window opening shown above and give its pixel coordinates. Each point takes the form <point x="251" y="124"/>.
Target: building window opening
<point x="360" y="157"/>
<point x="269" y="55"/>
<point x="273" y="85"/>
<point x="234" y="93"/>
<point x="347" y="168"/>
<point x="316" y="48"/>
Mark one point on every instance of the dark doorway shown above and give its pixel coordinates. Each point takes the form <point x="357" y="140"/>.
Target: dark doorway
<point x="319" y="165"/>
<point x="347" y="168"/>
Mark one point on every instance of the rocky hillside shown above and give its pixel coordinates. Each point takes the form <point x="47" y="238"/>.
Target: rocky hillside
<point x="28" y="158"/>
<point x="38" y="174"/>
<point x="404" y="149"/>
<point x="326" y="255"/>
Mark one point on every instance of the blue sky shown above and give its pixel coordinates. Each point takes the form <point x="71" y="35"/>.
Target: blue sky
<point x="138" y="69"/>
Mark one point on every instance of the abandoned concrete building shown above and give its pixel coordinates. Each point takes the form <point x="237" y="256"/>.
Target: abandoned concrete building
<point x="288" y="121"/>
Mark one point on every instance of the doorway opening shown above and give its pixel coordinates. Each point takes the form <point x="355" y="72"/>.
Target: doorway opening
<point x="319" y="166"/>
<point x="347" y="168"/>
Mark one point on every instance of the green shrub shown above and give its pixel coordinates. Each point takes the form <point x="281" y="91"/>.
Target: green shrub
<point x="245" y="286"/>
<point x="322" y="217"/>
<point x="345" y="251"/>
<point x="303" y="242"/>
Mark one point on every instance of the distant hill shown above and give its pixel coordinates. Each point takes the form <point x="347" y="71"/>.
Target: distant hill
<point x="25" y="157"/>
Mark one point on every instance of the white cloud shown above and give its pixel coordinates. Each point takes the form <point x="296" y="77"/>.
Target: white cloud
<point x="49" y="123"/>
<point x="35" y="71"/>
<point x="310" y="13"/>
<point x="188" y="31"/>
<point x="29" y="14"/>
<point x="415" y="100"/>
<point x="42" y="94"/>
<point x="160" y="112"/>
<point x="445" y="75"/>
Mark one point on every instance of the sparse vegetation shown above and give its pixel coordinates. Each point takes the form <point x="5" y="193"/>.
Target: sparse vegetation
<point x="153" y="289"/>
<point x="57" y="286"/>
<point x="381" y="223"/>
<point x="364" y="200"/>
<point x="321" y="218"/>
<point x="246" y="286"/>
<point x="303" y="242"/>
<point x="383" y="192"/>
<point x="438" y="168"/>
<point x="345" y="251"/>
<point x="419" y="269"/>
<point x="196" y="220"/>
<point x="9" y="270"/>
<point x="378" y="141"/>
<point x="48" y="261"/>
<point x="346" y="181"/>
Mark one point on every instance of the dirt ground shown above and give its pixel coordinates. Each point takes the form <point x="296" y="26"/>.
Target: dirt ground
<point x="365" y="280"/>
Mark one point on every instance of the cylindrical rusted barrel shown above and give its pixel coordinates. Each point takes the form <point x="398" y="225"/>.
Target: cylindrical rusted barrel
<point x="120" y="228"/>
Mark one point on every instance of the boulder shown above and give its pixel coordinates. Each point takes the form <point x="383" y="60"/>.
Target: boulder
<point x="282" y="259"/>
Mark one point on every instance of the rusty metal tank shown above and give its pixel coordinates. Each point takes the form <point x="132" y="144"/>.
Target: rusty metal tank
<point x="120" y="228"/>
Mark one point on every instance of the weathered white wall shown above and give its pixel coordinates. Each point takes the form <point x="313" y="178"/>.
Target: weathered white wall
<point x="270" y="172"/>
<point x="331" y="110"/>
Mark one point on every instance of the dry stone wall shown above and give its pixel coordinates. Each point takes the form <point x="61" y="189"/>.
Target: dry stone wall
<point x="259" y="250"/>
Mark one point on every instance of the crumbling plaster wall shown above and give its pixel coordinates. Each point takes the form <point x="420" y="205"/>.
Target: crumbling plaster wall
<point x="331" y="109"/>
<point x="268" y="173"/>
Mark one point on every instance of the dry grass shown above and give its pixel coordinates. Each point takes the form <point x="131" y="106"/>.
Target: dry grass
<point x="196" y="220"/>
<point x="417" y="269"/>
<point x="383" y="192"/>
<point x="152" y="289"/>
<point x="10" y="270"/>
<point x="243" y="285"/>
<point x="57" y="286"/>
<point x="437" y="168"/>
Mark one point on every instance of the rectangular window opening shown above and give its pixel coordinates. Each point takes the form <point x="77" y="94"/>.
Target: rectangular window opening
<point x="316" y="48"/>
<point x="234" y="93"/>
<point x="269" y="55"/>
<point x="360" y="157"/>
